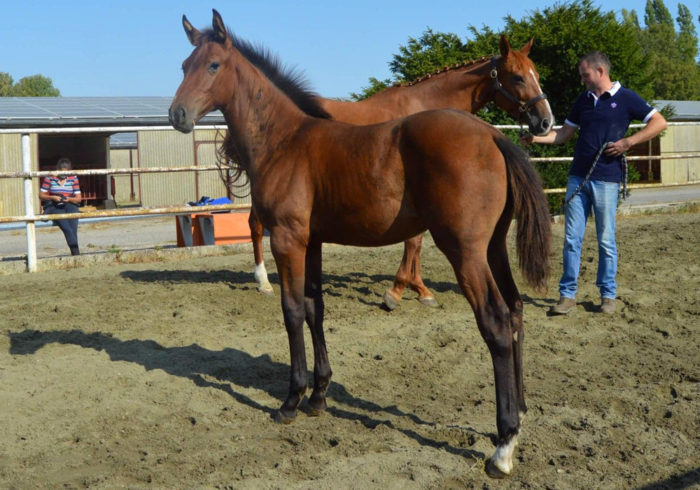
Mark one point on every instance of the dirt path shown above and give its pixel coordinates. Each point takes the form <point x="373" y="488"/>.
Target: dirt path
<point x="164" y="375"/>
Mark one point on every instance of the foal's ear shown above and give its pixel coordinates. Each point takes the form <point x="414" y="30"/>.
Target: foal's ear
<point x="192" y="34"/>
<point x="526" y="49"/>
<point x="505" y="46"/>
<point x="219" y="29"/>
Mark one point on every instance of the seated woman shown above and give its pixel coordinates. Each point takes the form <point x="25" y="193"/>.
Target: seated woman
<point x="61" y="194"/>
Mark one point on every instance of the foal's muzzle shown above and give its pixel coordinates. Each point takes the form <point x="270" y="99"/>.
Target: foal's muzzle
<point x="179" y="120"/>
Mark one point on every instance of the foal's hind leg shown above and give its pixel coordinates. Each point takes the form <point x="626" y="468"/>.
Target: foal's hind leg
<point x="493" y="318"/>
<point x="500" y="267"/>
<point x="313" y="302"/>
<point x="256" y="234"/>
<point x="409" y="273"/>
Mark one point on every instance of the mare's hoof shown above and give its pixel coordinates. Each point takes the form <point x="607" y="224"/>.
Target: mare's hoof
<point x="494" y="471"/>
<point x="390" y="301"/>
<point x="429" y="301"/>
<point x="266" y="290"/>
<point x="281" y="418"/>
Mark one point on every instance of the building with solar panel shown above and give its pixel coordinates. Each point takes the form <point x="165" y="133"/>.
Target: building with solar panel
<point x="90" y="131"/>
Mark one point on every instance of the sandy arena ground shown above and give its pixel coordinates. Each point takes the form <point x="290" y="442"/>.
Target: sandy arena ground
<point x="165" y="375"/>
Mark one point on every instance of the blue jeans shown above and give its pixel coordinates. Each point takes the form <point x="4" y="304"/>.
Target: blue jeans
<point x="601" y="197"/>
<point x="69" y="227"/>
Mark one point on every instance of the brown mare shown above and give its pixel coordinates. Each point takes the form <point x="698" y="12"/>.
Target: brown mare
<point x="315" y="180"/>
<point x="511" y="81"/>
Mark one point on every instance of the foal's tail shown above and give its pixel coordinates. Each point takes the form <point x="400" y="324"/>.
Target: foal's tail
<point x="533" y="238"/>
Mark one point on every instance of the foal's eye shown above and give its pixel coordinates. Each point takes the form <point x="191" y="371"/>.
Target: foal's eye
<point x="213" y="67"/>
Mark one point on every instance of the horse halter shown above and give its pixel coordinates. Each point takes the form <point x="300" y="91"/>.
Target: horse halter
<point x="523" y="107"/>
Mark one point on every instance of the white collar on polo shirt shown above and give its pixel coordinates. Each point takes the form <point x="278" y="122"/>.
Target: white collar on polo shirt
<point x="613" y="90"/>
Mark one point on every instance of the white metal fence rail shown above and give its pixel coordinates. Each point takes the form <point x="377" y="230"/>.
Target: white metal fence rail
<point x="30" y="217"/>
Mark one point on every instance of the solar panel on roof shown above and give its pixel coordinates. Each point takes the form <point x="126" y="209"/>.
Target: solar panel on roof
<point x="88" y="111"/>
<point x="123" y="140"/>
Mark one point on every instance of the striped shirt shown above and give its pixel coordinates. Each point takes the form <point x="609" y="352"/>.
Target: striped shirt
<point x="53" y="186"/>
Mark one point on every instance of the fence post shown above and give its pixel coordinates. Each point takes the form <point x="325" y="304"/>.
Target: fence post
<point x="29" y="202"/>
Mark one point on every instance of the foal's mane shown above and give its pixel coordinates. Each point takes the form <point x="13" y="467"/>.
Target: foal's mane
<point x="288" y="80"/>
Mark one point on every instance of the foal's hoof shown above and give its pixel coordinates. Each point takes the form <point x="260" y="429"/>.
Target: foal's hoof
<point x="315" y="408"/>
<point x="390" y="301"/>
<point x="494" y="471"/>
<point x="429" y="301"/>
<point x="281" y="418"/>
<point x="314" y="412"/>
<point x="266" y="290"/>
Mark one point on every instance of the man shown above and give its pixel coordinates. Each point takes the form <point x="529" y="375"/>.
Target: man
<point x="602" y="115"/>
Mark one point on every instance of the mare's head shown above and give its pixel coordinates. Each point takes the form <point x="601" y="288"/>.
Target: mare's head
<point x="517" y="88"/>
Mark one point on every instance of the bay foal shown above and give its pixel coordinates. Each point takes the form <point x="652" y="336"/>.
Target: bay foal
<point x="315" y="180"/>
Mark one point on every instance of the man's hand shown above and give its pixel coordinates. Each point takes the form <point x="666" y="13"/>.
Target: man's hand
<point x="526" y="139"/>
<point x="617" y="148"/>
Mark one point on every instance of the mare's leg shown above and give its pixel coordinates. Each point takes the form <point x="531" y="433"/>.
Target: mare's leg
<point x="313" y="301"/>
<point x="470" y="263"/>
<point x="425" y="296"/>
<point x="256" y="234"/>
<point x="409" y="273"/>
<point x="290" y="259"/>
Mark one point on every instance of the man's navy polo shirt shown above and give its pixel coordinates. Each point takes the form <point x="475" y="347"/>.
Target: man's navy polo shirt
<point x="602" y="120"/>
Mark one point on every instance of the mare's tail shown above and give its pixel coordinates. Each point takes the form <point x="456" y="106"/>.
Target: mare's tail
<point x="533" y="238"/>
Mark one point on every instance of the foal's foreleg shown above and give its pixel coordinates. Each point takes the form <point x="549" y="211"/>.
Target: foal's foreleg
<point x="313" y="301"/>
<point x="290" y="260"/>
<point x="409" y="274"/>
<point x="256" y="234"/>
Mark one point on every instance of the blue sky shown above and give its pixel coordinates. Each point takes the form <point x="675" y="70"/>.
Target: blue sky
<point x="131" y="48"/>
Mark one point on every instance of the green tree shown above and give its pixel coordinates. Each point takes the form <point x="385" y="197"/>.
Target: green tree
<point x="375" y="86"/>
<point x="433" y="50"/>
<point x="6" y="83"/>
<point x="688" y="52"/>
<point x="31" y="86"/>
<point x="563" y="33"/>
<point x="672" y="55"/>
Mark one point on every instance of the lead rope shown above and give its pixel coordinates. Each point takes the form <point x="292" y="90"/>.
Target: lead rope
<point x="624" y="192"/>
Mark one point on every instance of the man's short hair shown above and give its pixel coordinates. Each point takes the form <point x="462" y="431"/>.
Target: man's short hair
<point x="596" y="59"/>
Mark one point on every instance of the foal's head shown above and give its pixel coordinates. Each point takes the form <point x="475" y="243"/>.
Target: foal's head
<point x="207" y="71"/>
<point x="518" y="90"/>
<point x="210" y="75"/>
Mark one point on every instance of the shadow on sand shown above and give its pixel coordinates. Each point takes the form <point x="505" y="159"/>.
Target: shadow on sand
<point x="225" y="370"/>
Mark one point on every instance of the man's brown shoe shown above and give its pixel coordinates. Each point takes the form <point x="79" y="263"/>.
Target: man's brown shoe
<point x="564" y="306"/>
<point x="607" y="306"/>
